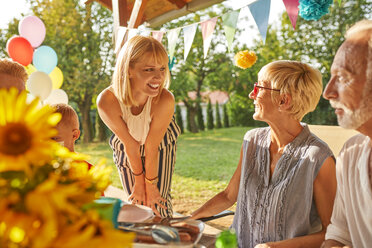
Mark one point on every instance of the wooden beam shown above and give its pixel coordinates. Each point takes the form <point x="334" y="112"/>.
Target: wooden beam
<point x="137" y="13"/>
<point x="123" y="13"/>
<point x="179" y="3"/>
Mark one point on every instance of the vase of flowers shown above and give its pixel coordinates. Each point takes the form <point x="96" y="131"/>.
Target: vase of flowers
<point x="44" y="188"/>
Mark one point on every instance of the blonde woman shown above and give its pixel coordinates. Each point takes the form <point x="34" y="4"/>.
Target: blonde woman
<point x="285" y="181"/>
<point x="138" y="109"/>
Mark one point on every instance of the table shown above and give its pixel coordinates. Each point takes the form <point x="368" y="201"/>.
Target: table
<point x="209" y="236"/>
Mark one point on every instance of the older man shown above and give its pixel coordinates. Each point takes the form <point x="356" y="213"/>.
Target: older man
<point x="350" y="93"/>
<point x="12" y="74"/>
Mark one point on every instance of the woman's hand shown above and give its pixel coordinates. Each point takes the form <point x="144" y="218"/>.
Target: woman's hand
<point x="138" y="195"/>
<point x="154" y="198"/>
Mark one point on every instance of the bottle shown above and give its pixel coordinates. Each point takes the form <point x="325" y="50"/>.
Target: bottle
<point x="227" y="239"/>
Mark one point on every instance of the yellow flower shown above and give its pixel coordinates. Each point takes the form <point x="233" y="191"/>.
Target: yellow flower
<point x="245" y="59"/>
<point x="25" y="131"/>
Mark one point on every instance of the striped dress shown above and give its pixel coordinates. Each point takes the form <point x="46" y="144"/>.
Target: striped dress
<point x="166" y="155"/>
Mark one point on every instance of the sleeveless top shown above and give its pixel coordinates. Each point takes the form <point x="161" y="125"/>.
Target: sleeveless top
<point x="282" y="207"/>
<point x="138" y="125"/>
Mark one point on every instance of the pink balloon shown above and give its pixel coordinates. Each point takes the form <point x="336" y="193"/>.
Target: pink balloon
<point x="20" y="50"/>
<point x="33" y="29"/>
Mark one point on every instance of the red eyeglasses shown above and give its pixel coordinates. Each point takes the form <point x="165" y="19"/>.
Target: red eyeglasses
<point x="257" y="87"/>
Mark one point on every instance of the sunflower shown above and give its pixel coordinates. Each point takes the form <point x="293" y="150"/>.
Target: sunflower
<point x="25" y="131"/>
<point x="245" y="59"/>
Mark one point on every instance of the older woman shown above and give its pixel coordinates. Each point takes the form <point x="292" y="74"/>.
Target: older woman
<point x="285" y="182"/>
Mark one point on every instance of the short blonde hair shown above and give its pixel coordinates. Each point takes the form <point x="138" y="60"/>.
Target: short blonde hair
<point x="14" y="69"/>
<point x="133" y="51"/>
<point x="69" y="115"/>
<point x="301" y="81"/>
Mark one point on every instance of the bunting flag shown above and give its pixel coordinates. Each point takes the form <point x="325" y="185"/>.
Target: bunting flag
<point x="158" y="35"/>
<point x="229" y="21"/>
<point x="207" y="28"/>
<point x="260" y="11"/>
<point x="292" y="11"/>
<point x="339" y="2"/>
<point x="119" y="38"/>
<point x="172" y="41"/>
<point x="188" y="37"/>
<point x="132" y="33"/>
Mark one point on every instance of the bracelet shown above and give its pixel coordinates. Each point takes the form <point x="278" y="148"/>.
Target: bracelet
<point x="152" y="181"/>
<point x="139" y="174"/>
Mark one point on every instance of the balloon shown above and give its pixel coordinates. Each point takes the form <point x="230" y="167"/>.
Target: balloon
<point x="45" y="59"/>
<point x="57" y="78"/>
<point x="39" y="84"/>
<point x="57" y="96"/>
<point x="20" y="50"/>
<point x="30" y="69"/>
<point x="33" y="29"/>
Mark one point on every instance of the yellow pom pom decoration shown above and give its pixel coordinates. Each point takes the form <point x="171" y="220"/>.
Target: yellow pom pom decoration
<point x="245" y="59"/>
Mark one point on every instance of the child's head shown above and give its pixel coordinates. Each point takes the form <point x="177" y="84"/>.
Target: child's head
<point x="68" y="127"/>
<point x="12" y="74"/>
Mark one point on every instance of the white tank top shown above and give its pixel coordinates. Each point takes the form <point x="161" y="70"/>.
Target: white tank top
<point x="138" y="125"/>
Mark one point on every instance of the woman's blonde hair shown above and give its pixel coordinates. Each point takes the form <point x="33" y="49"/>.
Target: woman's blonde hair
<point x="134" y="50"/>
<point x="299" y="80"/>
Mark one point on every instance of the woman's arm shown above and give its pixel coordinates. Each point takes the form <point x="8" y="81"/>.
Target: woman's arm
<point x="162" y="113"/>
<point x="110" y="112"/>
<point x="224" y="199"/>
<point x="324" y="195"/>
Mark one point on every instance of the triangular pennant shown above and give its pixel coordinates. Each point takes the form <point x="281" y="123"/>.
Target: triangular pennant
<point x="132" y="32"/>
<point x="339" y="2"/>
<point x="172" y="41"/>
<point x="158" y="35"/>
<point x="260" y="11"/>
<point x="119" y="39"/>
<point x="229" y="21"/>
<point x="292" y="11"/>
<point x="207" y="28"/>
<point x="188" y="37"/>
<point x="145" y="32"/>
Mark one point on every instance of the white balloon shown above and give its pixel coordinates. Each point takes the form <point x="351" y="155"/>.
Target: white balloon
<point x="57" y="96"/>
<point x="30" y="98"/>
<point x="39" y="84"/>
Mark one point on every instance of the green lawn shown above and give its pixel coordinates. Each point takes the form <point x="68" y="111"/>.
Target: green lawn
<point x="204" y="165"/>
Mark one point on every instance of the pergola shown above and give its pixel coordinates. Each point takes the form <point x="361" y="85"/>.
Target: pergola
<point x="132" y="13"/>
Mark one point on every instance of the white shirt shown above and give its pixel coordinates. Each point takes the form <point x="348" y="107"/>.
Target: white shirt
<point x="351" y="222"/>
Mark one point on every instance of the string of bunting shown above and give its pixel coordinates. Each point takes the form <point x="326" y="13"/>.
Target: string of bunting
<point x="260" y="10"/>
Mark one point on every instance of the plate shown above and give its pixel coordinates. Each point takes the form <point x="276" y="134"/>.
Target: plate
<point x="134" y="213"/>
<point x="196" y="223"/>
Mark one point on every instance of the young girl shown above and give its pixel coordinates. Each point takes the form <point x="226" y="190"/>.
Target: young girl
<point x="138" y="109"/>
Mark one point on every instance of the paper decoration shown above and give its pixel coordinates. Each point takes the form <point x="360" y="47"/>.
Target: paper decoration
<point x="172" y="41"/>
<point x="188" y="37"/>
<point x="229" y="21"/>
<point x="260" y="11"/>
<point x="158" y="35"/>
<point x="207" y="28"/>
<point x="292" y="11"/>
<point x="120" y="36"/>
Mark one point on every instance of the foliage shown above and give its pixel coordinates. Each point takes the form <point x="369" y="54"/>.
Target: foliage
<point x="218" y="116"/>
<point x="226" y="122"/>
<point x="199" y="116"/>
<point x="210" y="119"/>
<point x="188" y="121"/>
<point x="179" y="119"/>
<point x="45" y="196"/>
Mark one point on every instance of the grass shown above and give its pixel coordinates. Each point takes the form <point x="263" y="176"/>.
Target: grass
<point x="205" y="163"/>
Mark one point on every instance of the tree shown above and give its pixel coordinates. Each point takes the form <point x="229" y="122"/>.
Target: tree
<point x="210" y="121"/>
<point x="179" y="119"/>
<point x="226" y="122"/>
<point x="199" y="116"/>
<point x="81" y="37"/>
<point x="188" y="121"/>
<point x="218" y="116"/>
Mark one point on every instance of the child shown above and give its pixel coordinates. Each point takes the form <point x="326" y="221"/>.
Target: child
<point x="12" y="74"/>
<point x="68" y="127"/>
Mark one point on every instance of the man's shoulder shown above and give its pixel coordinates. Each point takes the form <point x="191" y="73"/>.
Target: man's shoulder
<point x="356" y="141"/>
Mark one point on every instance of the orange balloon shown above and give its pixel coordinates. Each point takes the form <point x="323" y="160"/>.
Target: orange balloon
<point x="20" y="50"/>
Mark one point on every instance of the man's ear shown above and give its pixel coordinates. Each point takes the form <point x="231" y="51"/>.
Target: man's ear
<point x="75" y="134"/>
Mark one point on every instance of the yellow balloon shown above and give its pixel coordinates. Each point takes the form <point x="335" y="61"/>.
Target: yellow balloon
<point x="57" y="78"/>
<point x="30" y="69"/>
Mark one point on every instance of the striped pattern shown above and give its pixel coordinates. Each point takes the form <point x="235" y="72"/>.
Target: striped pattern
<point x="166" y="158"/>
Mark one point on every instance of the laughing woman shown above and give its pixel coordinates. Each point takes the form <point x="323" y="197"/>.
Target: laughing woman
<point x="285" y="181"/>
<point x="138" y="109"/>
